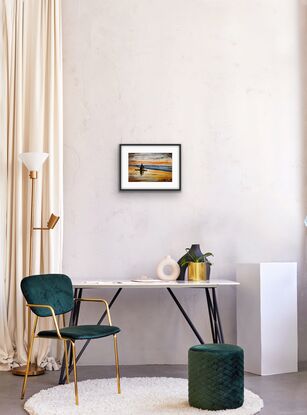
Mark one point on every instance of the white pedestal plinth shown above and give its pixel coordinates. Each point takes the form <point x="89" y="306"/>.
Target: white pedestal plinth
<point x="267" y="316"/>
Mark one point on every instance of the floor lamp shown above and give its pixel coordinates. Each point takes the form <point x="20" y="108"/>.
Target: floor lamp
<point x="33" y="162"/>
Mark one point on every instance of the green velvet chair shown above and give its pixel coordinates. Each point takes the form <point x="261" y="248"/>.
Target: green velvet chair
<point x="50" y="295"/>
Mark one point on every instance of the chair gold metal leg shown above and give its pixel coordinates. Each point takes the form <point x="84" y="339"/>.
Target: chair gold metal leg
<point x="30" y="346"/>
<point x="66" y="361"/>
<point x="116" y="363"/>
<point x="75" y="371"/>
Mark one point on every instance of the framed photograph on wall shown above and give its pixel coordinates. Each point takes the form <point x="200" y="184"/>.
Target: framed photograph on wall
<point x="150" y="166"/>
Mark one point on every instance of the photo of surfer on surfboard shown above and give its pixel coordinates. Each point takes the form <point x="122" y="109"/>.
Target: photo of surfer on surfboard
<point x="150" y="167"/>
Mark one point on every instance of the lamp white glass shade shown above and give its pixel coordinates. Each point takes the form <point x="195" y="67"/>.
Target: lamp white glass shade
<point x="34" y="160"/>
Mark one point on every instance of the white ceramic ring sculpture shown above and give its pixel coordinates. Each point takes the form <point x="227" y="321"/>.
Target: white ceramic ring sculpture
<point x="170" y="263"/>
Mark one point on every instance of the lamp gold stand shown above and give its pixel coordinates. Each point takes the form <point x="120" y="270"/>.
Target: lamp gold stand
<point x="33" y="161"/>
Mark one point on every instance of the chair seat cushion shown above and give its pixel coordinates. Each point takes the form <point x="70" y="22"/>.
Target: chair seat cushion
<point x="81" y="332"/>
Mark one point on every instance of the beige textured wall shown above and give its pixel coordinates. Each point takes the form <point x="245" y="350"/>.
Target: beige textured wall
<point x="220" y="77"/>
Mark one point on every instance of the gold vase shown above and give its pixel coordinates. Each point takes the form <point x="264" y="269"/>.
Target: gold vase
<point x="197" y="271"/>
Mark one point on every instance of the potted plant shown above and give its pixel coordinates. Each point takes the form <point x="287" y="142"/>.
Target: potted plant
<point x="198" y="264"/>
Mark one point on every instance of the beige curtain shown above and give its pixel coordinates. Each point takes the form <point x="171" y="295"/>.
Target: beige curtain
<point x="30" y="120"/>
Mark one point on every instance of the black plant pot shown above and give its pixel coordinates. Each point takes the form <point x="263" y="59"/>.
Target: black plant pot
<point x="194" y="250"/>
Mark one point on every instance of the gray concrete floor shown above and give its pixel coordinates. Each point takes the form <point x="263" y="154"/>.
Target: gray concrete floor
<point x="282" y="394"/>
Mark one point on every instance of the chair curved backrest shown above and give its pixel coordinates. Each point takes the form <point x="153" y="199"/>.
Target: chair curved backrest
<point x="48" y="289"/>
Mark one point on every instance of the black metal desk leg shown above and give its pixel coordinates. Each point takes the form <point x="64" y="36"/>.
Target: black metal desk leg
<point x="209" y="304"/>
<point x="221" y="334"/>
<point x="214" y="316"/>
<point x="189" y="321"/>
<point x="73" y="321"/>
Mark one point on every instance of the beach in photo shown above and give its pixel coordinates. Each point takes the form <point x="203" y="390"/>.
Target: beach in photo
<point x="150" y="167"/>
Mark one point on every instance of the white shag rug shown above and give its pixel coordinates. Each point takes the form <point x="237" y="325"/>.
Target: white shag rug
<point x="140" y="396"/>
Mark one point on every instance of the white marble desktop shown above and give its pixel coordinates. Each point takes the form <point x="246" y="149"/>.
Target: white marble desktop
<point x="153" y="284"/>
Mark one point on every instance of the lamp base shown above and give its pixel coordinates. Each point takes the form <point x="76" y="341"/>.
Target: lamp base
<point x="34" y="370"/>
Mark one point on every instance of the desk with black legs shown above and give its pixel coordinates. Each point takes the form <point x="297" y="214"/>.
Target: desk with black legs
<point x="209" y="288"/>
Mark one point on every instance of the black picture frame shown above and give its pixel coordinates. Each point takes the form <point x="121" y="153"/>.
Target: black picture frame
<point x="124" y="184"/>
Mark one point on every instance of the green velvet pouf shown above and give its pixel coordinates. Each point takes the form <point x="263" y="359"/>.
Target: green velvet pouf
<point x="216" y="376"/>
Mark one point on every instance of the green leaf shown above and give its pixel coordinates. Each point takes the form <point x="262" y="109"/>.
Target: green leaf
<point x="191" y="257"/>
